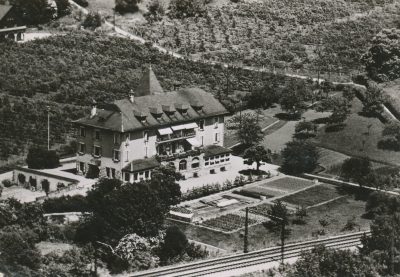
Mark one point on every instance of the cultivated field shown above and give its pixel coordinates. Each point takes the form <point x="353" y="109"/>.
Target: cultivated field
<point x="312" y="196"/>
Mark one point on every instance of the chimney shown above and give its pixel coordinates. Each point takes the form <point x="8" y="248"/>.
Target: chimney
<point x="132" y="96"/>
<point x="93" y="112"/>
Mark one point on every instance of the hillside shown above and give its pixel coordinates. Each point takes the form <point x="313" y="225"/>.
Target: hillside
<point x="298" y="36"/>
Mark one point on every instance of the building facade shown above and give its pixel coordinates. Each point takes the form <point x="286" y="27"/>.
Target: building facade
<point x="131" y="137"/>
<point x="11" y="26"/>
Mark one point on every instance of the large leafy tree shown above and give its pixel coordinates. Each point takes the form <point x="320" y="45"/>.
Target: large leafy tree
<point x="383" y="245"/>
<point x="186" y="8"/>
<point x="294" y="95"/>
<point x="299" y="157"/>
<point x="322" y="261"/>
<point x="257" y="154"/>
<point x="34" y="12"/>
<point x="356" y="169"/>
<point x="373" y="99"/>
<point x="249" y="131"/>
<point x="382" y="61"/>
<point x="119" y="209"/>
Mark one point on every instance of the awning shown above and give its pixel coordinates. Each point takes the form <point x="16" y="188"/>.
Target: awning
<point x="178" y="127"/>
<point x="193" y="142"/>
<point x="191" y="125"/>
<point x="165" y="131"/>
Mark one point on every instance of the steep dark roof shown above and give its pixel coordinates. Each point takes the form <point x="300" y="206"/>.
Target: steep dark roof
<point x="213" y="150"/>
<point x="141" y="165"/>
<point x="4" y="9"/>
<point x="148" y="84"/>
<point x="125" y="116"/>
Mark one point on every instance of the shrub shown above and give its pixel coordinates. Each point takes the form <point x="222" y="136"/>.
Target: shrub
<point x="46" y="186"/>
<point x="21" y="178"/>
<point x="83" y="3"/>
<point x="39" y="158"/>
<point x="32" y="182"/>
<point x="126" y="6"/>
<point x="64" y="204"/>
<point x="7" y="183"/>
<point x="92" y="21"/>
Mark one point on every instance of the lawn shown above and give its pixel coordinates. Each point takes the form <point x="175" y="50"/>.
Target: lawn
<point x="337" y="213"/>
<point x="312" y="196"/>
<point x="392" y="90"/>
<point x="288" y="184"/>
<point x="359" y="137"/>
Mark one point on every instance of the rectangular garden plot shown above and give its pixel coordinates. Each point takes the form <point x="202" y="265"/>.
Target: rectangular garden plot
<point x="312" y="196"/>
<point x="261" y="209"/>
<point x="288" y="184"/>
<point x="227" y="223"/>
<point x="258" y="191"/>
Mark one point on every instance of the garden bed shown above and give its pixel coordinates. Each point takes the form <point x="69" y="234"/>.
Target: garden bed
<point x="312" y="196"/>
<point x="227" y="223"/>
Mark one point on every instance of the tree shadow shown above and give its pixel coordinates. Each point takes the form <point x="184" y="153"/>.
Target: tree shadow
<point x="359" y="193"/>
<point x="334" y="128"/>
<point x="322" y="120"/>
<point x="304" y="135"/>
<point x="253" y="172"/>
<point x="288" y="116"/>
<point x="389" y="144"/>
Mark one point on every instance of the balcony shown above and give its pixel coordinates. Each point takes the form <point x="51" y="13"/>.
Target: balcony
<point x="182" y="155"/>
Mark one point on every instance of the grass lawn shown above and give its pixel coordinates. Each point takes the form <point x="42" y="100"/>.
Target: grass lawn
<point x="331" y="160"/>
<point x="288" y="184"/>
<point x="312" y="196"/>
<point x="337" y="213"/>
<point x="359" y="137"/>
<point x="392" y="90"/>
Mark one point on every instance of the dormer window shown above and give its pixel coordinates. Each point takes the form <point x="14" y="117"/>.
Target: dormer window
<point x="182" y="108"/>
<point x="157" y="112"/>
<point x="197" y="106"/>
<point x="141" y="116"/>
<point x="168" y="109"/>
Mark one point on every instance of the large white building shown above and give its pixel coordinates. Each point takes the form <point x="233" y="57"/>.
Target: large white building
<point x="132" y="136"/>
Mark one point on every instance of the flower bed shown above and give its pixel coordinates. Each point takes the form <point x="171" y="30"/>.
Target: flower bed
<point x="228" y="222"/>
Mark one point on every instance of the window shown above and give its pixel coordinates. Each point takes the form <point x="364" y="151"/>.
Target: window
<point x="195" y="163"/>
<point x="97" y="134"/>
<point x="216" y="137"/>
<point x="127" y="156"/>
<point x="108" y="172"/>
<point x="83" y="132"/>
<point x="201" y="124"/>
<point x="135" y="176"/>
<point x="146" y="136"/>
<point x="82" y="166"/>
<point x="183" y="165"/>
<point x="202" y="140"/>
<point x="147" y="174"/>
<point x="97" y="151"/>
<point x="215" y="122"/>
<point x="207" y="161"/>
<point x="116" y="155"/>
<point x="127" y="177"/>
<point x="82" y="148"/>
<point x="113" y="173"/>
<point x="117" y="138"/>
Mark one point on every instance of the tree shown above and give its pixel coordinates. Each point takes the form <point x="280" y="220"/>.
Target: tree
<point x="92" y="21"/>
<point x="138" y="208"/>
<point x="299" y="157"/>
<point x="382" y="245"/>
<point x="175" y="244"/>
<point x="186" y="8"/>
<point x="381" y="61"/>
<point x="293" y="96"/>
<point x="321" y="261"/>
<point x="34" y="12"/>
<point x="355" y="169"/>
<point x="373" y="100"/>
<point x="126" y="6"/>
<point x="279" y="212"/>
<point x="305" y="129"/>
<point x="63" y="8"/>
<point x="39" y="158"/>
<point x="392" y="134"/>
<point x="257" y="154"/>
<point x="249" y="131"/>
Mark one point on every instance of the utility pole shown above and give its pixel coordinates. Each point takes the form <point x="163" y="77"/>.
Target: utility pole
<point x="246" y="232"/>
<point x="48" y="127"/>
<point x="95" y="261"/>
<point x="282" y="242"/>
<point x="391" y="253"/>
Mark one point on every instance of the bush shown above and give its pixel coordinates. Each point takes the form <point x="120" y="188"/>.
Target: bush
<point x="82" y="3"/>
<point x="7" y="183"/>
<point x="92" y="21"/>
<point x="126" y="6"/>
<point x="45" y="186"/>
<point x="39" y="158"/>
<point x="76" y="203"/>
<point x="21" y="178"/>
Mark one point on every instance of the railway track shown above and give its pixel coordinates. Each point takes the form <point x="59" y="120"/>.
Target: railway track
<point x="228" y="263"/>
